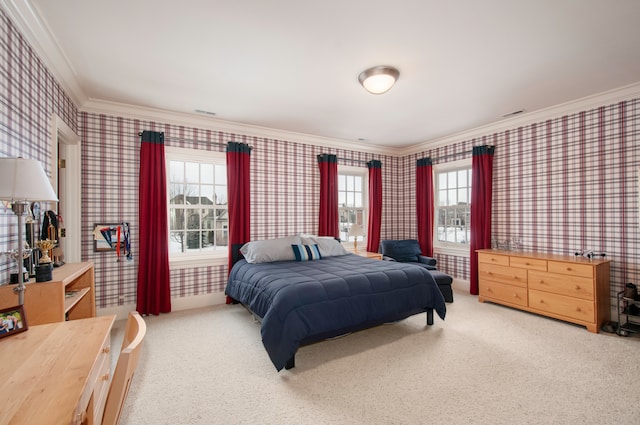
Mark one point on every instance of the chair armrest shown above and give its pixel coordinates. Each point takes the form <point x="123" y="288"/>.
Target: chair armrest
<point x="427" y="260"/>
<point x="384" y="257"/>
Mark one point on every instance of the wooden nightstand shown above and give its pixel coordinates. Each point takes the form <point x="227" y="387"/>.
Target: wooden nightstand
<point x="375" y="255"/>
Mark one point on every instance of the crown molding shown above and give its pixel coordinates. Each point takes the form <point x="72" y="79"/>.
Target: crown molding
<point x="97" y="106"/>
<point x="27" y="20"/>
<point x="609" y="97"/>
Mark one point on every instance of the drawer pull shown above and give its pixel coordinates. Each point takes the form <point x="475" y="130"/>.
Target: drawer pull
<point x="105" y="377"/>
<point x="569" y="269"/>
<point x="578" y="287"/>
<point x="106" y="350"/>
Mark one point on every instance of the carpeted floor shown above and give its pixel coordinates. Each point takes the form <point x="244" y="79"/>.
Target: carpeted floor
<point x="485" y="364"/>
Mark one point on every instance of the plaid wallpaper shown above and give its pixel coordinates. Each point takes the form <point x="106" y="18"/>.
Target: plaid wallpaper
<point x="565" y="185"/>
<point x="561" y="185"/>
<point x="29" y="96"/>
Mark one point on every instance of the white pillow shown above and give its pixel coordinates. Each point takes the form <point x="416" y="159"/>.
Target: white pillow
<point x="327" y="245"/>
<point x="268" y="250"/>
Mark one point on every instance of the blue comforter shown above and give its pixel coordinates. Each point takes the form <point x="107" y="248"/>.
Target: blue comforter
<point x="302" y="302"/>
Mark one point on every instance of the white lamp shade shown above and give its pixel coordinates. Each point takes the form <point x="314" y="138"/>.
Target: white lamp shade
<point x="356" y="230"/>
<point x="24" y="180"/>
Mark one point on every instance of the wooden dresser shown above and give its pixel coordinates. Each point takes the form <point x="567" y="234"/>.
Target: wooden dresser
<point x="569" y="288"/>
<point x="69" y="295"/>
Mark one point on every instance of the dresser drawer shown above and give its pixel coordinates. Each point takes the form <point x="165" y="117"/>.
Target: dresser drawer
<point x="528" y="263"/>
<point x="574" y="308"/>
<point x="580" y="287"/>
<point x="487" y="258"/>
<point x="502" y="274"/>
<point x="574" y="269"/>
<point x="501" y="292"/>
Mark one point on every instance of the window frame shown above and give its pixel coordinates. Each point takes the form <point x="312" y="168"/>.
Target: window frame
<point x="178" y="260"/>
<point x="451" y="248"/>
<point x="363" y="172"/>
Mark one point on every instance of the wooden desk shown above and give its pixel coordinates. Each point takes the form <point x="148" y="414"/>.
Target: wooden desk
<point x="57" y="373"/>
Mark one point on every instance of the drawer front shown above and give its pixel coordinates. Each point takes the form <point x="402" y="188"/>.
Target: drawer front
<point x="580" y="287"/>
<point x="101" y="388"/>
<point x="501" y="292"/>
<point x="502" y="274"/>
<point x="573" y="269"/>
<point x="528" y="263"/>
<point x="561" y="305"/>
<point x="487" y="258"/>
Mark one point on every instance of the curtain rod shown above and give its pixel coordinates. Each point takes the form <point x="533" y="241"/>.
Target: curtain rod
<point x="351" y="160"/>
<point x="182" y="139"/>
<point x="451" y="155"/>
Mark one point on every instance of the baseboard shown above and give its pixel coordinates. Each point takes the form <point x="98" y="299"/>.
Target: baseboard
<point x="177" y="304"/>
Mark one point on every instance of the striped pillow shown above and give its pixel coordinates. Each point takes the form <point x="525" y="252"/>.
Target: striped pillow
<point x="306" y="252"/>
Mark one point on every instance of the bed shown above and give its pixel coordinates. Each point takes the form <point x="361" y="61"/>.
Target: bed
<point x="299" y="302"/>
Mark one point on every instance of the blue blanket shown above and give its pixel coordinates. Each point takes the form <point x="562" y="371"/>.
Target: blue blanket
<point x="302" y="302"/>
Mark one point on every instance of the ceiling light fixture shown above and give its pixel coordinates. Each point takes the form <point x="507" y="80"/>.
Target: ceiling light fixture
<point x="379" y="79"/>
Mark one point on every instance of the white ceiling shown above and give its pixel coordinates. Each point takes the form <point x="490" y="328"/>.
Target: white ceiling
<point x="293" y="64"/>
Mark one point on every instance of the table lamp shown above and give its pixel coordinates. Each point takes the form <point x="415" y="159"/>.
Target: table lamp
<point x="355" y="231"/>
<point x="23" y="181"/>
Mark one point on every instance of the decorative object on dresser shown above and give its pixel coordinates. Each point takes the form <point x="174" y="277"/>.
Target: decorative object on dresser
<point x="569" y="288"/>
<point x="21" y="182"/>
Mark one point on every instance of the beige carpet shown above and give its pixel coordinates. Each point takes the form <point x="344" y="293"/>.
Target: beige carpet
<point x="485" y="364"/>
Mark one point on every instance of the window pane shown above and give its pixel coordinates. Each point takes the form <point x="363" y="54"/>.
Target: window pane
<point x="177" y="242"/>
<point x="342" y="182"/>
<point x="192" y="171"/>
<point x="176" y="192"/>
<point x="462" y="195"/>
<point x="221" y="174"/>
<point x="206" y="173"/>
<point x="462" y="177"/>
<point x="350" y="183"/>
<point x="357" y="182"/>
<point x="342" y="199"/>
<point x="442" y="198"/>
<point x="176" y="171"/>
<point x="358" y="199"/>
<point x="176" y="219"/>
<point x="206" y="195"/>
<point x="208" y="218"/>
<point x="221" y="195"/>
<point x="350" y="199"/>
<point x="451" y="179"/>
<point x="452" y="197"/>
<point x="193" y="240"/>
<point x="442" y="181"/>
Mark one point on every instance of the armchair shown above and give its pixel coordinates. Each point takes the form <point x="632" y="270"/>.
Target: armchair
<point x="408" y="251"/>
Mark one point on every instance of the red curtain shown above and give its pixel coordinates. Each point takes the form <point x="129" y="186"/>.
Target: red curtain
<point x="154" y="294"/>
<point x="375" y="205"/>
<point x="481" y="193"/>
<point x="328" y="219"/>
<point x="424" y="205"/>
<point x="238" y="194"/>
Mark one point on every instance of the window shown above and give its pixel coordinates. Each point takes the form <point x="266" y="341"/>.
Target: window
<point x="352" y="200"/>
<point x="198" y="209"/>
<point x="453" y="205"/>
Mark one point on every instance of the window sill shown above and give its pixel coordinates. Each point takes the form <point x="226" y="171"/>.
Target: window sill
<point x="462" y="251"/>
<point x="189" y="263"/>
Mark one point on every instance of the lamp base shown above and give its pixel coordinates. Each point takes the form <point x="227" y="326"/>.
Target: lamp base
<point x="44" y="272"/>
